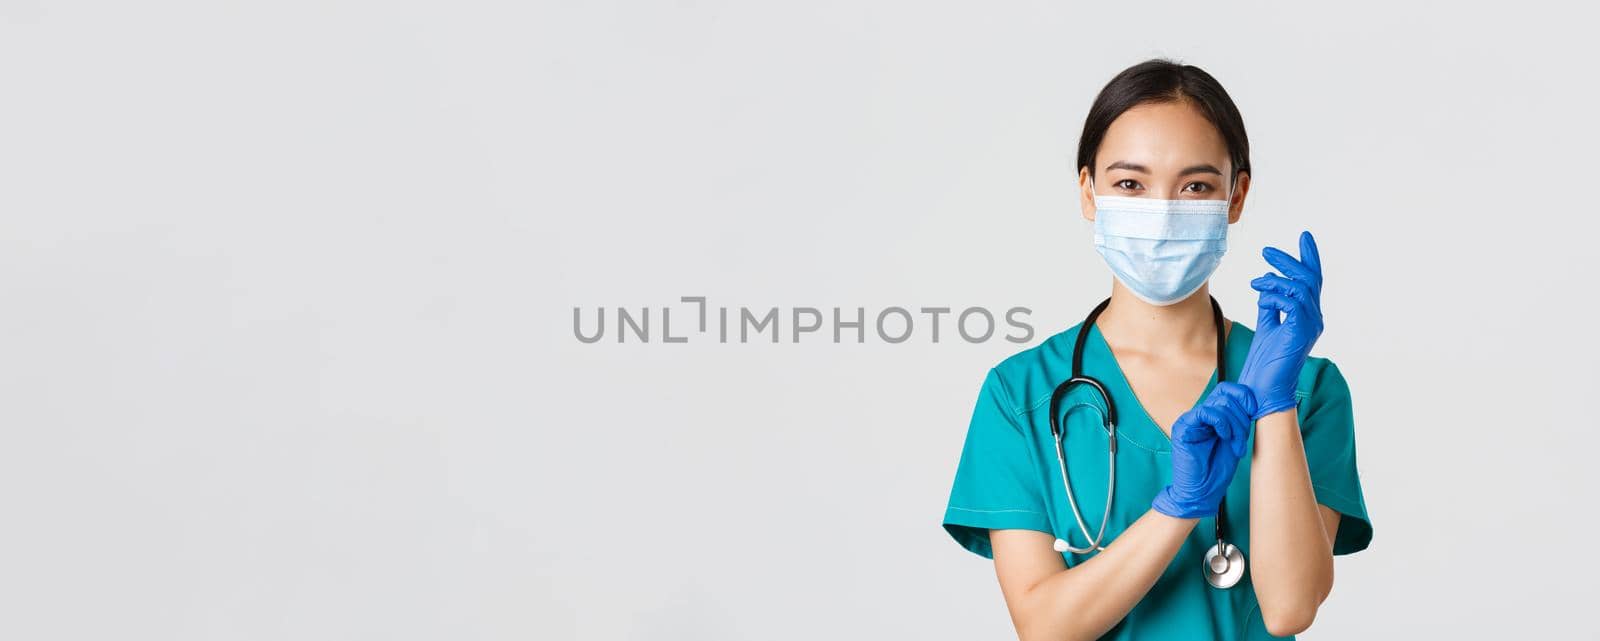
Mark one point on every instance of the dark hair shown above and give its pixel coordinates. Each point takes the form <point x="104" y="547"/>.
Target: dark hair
<point x="1161" y="80"/>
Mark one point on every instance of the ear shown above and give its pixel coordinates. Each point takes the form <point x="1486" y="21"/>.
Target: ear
<point x="1085" y="194"/>
<point x="1240" y="190"/>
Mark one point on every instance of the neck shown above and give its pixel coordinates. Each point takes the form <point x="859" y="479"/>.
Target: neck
<point x="1181" y="327"/>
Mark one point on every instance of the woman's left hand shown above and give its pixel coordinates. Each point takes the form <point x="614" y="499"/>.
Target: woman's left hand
<point x="1280" y="347"/>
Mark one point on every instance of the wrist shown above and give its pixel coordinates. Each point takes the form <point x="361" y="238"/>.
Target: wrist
<point x="1266" y="407"/>
<point x="1179" y="523"/>
<point x="1167" y="504"/>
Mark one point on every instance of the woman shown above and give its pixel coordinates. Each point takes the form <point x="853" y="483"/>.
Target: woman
<point x="1163" y="169"/>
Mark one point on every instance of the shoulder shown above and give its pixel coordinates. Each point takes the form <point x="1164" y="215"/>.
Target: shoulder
<point x="1324" y="397"/>
<point x="1026" y="377"/>
<point x="1320" y="379"/>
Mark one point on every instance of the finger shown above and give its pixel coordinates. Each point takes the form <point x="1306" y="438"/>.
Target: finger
<point x="1226" y="422"/>
<point x="1238" y="396"/>
<point x="1242" y="444"/>
<point x="1232" y="427"/>
<point x="1221" y="397"/>
<point x="1183" y="431"/>
<point x="1288" y="265"/>
<point x="1266" y="317"/>
<point x="1238" y="431"/>
<point x="1297" y="290"/>
<point x="1186" y="423"/>
<point x="1277" y="302"/>
<point x="1210" y="417"/>
<point x="1309" y="255"/>
<point x="1204" y="427"/>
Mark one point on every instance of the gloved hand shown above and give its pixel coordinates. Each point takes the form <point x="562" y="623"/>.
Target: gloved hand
<point x="1207" y="443"/>
<point x="1280" y="347"/>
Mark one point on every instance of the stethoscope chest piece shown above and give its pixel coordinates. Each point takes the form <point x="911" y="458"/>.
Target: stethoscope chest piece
<point x="1224" y="565"/>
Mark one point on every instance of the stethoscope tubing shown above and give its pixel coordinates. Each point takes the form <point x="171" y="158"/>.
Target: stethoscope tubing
<point x="1057" y="433"/>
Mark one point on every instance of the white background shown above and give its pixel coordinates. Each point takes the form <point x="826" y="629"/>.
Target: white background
<point x="288" y="286"/>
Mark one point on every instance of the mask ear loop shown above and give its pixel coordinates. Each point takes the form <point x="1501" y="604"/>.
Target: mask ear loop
<point x="1095" y="198"/>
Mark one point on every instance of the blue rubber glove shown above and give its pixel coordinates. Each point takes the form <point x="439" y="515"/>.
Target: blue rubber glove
<point x="1207" y="443"/>
<point x="1281" y="346"/>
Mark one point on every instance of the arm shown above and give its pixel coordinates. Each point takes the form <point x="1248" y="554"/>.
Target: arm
<point x="1291" y="536"/>
<point x="1049" y="601"/>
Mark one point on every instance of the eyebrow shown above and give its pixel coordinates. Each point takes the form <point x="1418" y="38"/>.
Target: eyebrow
<point x="1197" y="169"/>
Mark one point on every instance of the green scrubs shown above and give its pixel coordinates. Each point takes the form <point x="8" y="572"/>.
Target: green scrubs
<point x="1008" y="477"/>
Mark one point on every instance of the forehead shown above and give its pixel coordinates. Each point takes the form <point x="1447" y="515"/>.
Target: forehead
<point x="1161" y="134"/>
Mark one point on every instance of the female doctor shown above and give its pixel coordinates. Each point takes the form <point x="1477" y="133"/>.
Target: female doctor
<point x="1268" y="453"/>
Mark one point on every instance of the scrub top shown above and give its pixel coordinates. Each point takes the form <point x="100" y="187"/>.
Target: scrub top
<point x="1008" y="477"/>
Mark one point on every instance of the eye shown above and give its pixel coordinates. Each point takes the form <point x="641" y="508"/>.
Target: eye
<point x="1197" y="188"/>
<point x="1128" y="184"/>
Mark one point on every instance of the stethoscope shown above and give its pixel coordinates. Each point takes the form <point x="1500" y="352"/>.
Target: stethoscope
<point x="1224" y="564"/>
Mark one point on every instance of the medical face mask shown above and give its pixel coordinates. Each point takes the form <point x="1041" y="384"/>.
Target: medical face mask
<point x="1161" y="250"/>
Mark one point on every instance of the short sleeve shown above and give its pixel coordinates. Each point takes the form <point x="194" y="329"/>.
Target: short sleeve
<point x="996" y="486"/>
<point x="1327" y="427"/>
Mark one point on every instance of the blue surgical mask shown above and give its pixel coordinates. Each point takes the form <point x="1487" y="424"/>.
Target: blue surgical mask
<point x="1161" y="250"/>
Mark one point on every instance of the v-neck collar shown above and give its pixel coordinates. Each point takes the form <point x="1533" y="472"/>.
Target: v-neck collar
<point x="1147" y="433"/>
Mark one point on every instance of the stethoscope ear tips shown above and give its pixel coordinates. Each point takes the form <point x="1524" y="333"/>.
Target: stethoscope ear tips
<point x="1060" y="546"/>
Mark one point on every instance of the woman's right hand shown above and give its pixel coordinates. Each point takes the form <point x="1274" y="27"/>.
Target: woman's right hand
<point x="1207" y="443"/>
